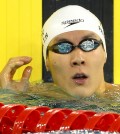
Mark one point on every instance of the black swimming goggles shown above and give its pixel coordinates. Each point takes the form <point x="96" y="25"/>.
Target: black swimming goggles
<point x="66" y="47"/>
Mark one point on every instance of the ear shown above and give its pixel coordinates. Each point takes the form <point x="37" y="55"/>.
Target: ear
<point x="47" y="64"/>
<point x="105" y="57"/>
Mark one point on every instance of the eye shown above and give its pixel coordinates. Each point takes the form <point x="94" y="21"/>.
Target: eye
<point x="64" y="47"/>
<point x="89" y="45"/>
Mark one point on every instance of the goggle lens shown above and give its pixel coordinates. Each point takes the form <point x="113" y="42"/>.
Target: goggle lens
<point x="66" y="47"/>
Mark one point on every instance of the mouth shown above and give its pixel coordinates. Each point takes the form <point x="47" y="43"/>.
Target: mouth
<point x="80" y="78"/>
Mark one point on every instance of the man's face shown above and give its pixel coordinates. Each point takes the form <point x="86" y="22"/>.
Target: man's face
<point x="78" y="73"/>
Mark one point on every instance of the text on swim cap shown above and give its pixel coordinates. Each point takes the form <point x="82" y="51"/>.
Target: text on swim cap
<point x="72" y="22"/>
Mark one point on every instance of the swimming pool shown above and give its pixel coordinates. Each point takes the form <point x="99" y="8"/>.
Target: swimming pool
<point x="44" y="95"/>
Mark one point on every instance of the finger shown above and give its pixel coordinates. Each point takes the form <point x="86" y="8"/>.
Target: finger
<point x="11" y="68"/>
<point x="27" y="73"/>
<point x="22" y="59"/>
<point x="25" y="59"/>
<point x="13" y="64"/>
<point x="24" y="83"/>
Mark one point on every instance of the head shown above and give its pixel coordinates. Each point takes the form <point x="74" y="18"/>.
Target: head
<point x="79" y="71"/>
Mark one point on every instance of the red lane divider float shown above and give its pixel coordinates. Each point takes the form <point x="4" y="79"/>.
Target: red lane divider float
<point x="115" y="127"/>
<point x="19" y="118"/>
<point x="1" y="104"/>
<point x="28" y="119"/>
<point x="52" y="119"/>
<point x="101" y="121"/>
<point x="8" y="114"/>
<point x="76" y="120"/>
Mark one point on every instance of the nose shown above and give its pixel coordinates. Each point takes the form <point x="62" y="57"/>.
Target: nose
<point x="77" y="58"/>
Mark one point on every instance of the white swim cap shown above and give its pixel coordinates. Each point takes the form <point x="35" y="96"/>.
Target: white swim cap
<point x="70" y="18"/>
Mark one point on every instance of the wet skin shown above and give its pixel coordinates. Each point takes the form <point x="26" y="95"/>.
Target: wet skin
<point x="67" y="69"/>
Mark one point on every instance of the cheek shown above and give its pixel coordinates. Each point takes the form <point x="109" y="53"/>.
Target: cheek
<point x="57" y="62"/>
<point x="99" y="60"/>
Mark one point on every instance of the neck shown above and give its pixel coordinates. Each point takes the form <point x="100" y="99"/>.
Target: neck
<point x="101" y="88"/>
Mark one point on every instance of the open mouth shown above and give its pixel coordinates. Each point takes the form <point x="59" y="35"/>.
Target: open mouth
<point x="80" y="78"/>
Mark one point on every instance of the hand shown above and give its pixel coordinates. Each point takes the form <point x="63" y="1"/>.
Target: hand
<point x="6" y="75"/>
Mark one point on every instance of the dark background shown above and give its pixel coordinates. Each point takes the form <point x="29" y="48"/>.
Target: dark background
<point x="103" y="9"/>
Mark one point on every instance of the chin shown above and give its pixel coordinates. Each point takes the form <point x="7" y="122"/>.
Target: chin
<point x="80" y="94"/>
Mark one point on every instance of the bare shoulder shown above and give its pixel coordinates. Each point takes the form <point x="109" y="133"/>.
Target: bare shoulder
<point x="112" y="90"/>
<point x="111" y="86"/>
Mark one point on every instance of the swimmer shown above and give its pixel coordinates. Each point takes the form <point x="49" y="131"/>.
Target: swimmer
<point x="74" y="51"/>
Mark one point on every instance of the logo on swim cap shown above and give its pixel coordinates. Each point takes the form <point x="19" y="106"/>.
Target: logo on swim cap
<point x="72" y="22"/>
<point x="101" y="29"/>
<point x="44" y="36"/>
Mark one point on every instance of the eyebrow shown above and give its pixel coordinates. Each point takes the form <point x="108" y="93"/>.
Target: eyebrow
<point x="91" y="35"/>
